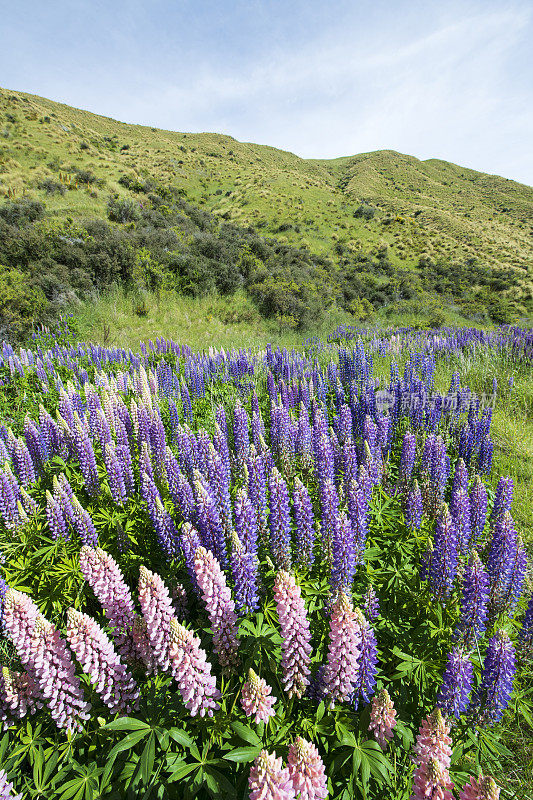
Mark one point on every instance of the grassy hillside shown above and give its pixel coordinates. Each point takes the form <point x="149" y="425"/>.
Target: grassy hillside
<point x="457" y="234"/>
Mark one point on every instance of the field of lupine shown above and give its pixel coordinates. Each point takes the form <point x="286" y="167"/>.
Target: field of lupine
<point x="261" y="574"/>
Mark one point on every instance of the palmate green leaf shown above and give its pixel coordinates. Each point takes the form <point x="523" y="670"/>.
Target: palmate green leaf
<point x="246" y="733"/>
<point x="243" y="754"/>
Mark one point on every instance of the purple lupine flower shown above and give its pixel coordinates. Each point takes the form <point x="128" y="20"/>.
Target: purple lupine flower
<point x="246" y="521"/>
<point x="443" y="565"/>
<point x="55" y="517"/>
<point x="23" y="463"/>
<point x="501" y="560"/>
<point x="98" y="658"/>
<point x="114" y="474"/>
<point x="324" y="458"/>
<point x="305" y="524"/>
<point x="342" y="663"/>
<point x="344" y="556"/>
<point x="365" y="680"/>
<point x="83" y="524"/>
<point x="365" y="482"/>
<point x="516" y="582"/>
<point x="255" y="467"/>
<point x="295" y="634"/>
<point x="494" y="693"/>
<point x="474" y="601"/>
<point x="279" y="521"/>
<point x="357" y="502"/>
<point x="454" y="694"/>
<point x="460" y="511"/>
<point x="219" y="605"/>
<point x="329" y="502"/>
<point x="103" y="575"/>
<point x="414" y="507"/>
<point x="192" y="671"/>
<point x="503" y="498"/>
<point x="407" y="458"/>
<point x="209" y="522"/>
<point x="220" y="442"/>
<point x="371" y="604"/>
<point x="241" y="434"/>
<point x="304" y="439"/>
<point x="478" y="508"/>
<point x="460" y="477"/>
<point x="244" y="570"/>
<point x="219" y="480"/>
<point x="158" y="609"/>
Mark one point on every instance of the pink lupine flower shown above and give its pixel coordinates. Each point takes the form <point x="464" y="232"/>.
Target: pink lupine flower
<point x="20" y="615"/>
<point x="432" y="759"/>
<point x="6" y="788"/>
<point x="341" y="669"/>
<point x="220" y="607"/>
<point x="431" y="782"/>
<point x="52" y="665"/>
<point x="482" y="788"/>
<point x="382" y="718"/>
<point x="192" y="671"/>
<point x="256" y="698"/>
<point x="269" y="779"/>
<point x="103" y="574"/>
<point x="433" y="740"/>
<point x="19" y="694"/>
<point x="307" y="772"/>
<point x="142" y="644"/>
<point x="157" y="610"/>
<point x="295" y="634"/>
<point x="98" y="659"/>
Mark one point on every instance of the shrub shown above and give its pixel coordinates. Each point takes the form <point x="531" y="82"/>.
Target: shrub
<point x="20" y="303"/>
<point x="21" y="212"/>
<point x="122" y="210"/>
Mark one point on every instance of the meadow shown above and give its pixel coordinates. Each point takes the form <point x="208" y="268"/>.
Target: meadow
<point x="237" y="562"/>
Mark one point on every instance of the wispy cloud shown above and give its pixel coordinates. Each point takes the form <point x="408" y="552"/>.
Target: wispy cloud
<point x="448" y="82"/>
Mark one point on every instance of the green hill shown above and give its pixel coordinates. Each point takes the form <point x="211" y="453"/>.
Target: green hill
<point x="457" y="235"/>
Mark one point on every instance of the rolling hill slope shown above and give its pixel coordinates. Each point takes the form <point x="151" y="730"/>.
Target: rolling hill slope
<point x="421" y="215"/>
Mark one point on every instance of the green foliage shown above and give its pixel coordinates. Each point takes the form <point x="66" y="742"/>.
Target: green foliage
<point x="20" y="303"/>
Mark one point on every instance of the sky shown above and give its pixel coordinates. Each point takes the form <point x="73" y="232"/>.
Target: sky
<point x="434" y="79"/>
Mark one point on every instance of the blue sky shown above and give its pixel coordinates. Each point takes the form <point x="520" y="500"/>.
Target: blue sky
<point x="451" y="80"/>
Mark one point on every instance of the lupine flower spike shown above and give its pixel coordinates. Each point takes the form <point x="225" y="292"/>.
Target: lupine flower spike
<point x="269" y="779"/>
<point x="306" y="770"/>
<point x="256" y="698"/>
<point x="482" y="788"/>
<point x="295" y="634"/>
<point x="382" y="718"/>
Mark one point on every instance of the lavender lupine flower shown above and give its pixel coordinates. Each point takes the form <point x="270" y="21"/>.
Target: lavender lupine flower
<point x="255" y="467"/>
<point x="99" y="660"/>
<point x="295" y="634"/>
<point x="246" y="521"/>
<point x="516" y="582"/>
<point x="83" y="524"/>
<point x="460" y="477"/>
<point x="55" y="517"/>
<point x="478" y="508"/>
<point x="306" y="770"/>
<point x="344" y="556"/>
<point x="342" y="665"/>
<point x="158" y="610"/>
<point x="357" y="502"/>
<point x="454" y="695"/>
<point x="329" y="503"/>
<point x="256" y="698"/>
<point x="494" y="693"/>
<point x="371" y="604"/>
<point x="279" y="521"/>
<point x="219" y="605"/>
<point x="20" y="615"/>
<point x="19" y="694"/>
<point x="115" y="475"/>
<point x="363" y="687"/>
<point x="475" y="596"/>
<point x="190" y="668"/>
<point x="190" y="541"/>
<point x="382" y="718"/>
<point x="51" y="665"/>
<point x="414" y="507"/>
<point x="269" y="780"/>
<point x="407" y="458"/>
<point x="432" y="759"/>
<point x="482" y="788"/>
<point x="305" y="524"/>
<point x="7" y="790"/>
<point x="103" y="575"/>
<point x="244" y="570"/>
<point x="503" y="498"/>
<point x="10" y="507"/>
<point x="444" y="557"/>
